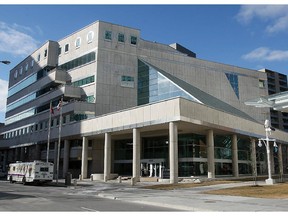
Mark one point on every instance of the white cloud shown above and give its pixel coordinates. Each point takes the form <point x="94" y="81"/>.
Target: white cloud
<point x="275" y="15"/>
<point x="3" y="94"/>
<point x="280" y="24"/>
<point x="266" y="54"/>
<point x="14" y="40"/>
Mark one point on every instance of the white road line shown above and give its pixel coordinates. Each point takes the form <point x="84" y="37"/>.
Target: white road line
<point x="88" y="209"/>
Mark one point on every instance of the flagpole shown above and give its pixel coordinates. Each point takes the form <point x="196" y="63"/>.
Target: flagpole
<point x="59" y="138"/>
<point x="49" y="130"/>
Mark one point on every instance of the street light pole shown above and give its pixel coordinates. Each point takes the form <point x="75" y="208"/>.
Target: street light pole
<point x="268" y="130"/>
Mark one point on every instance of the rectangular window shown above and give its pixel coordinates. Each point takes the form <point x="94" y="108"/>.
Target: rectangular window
<point x="121" y="37"/>
<point x="66" y="47"/>
<point x="261" y="84"/>
<point x="90" y="99"/>
<point x="45" y="53"/>
<point x="84" y="81"/>
<point x="133" y="40"/>
<point x="36" y="127"/>
<point x="127" y="81"/>
<point x="64" y="119"/>
<point x="39" y="57"/>
<point x="44" y="169"/>
<point x="59" y="50"/>
<point x="108" y="35"/>
<point x="78" y="42"/>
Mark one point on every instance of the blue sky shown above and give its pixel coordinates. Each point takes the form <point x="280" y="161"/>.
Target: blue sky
<point x="250" y="36"/>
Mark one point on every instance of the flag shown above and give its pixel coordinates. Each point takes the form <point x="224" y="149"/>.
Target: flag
<point x="59" y="105"/>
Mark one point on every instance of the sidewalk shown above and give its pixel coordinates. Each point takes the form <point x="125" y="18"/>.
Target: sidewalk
<point x="188" y="199"/>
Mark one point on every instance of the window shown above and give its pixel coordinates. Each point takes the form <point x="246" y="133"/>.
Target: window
<point x="44" y="169"/>
<point x="84" y="81"/>
<point x="127" y="81"/>
<point x="90" y="99"/>
<point x="64" y="119"/>
<point x="36" y="127"/>
<point x="32" y="63"/>
<point x="233" y="79"/>
<point x="78" y="61"/>
<point x="39" y="57"/>
<point x="108" y="35"/>
<point x="133" y="40"/>
<point x="261" y="84"/>
<point x="15" y="74"/>
<point x="121" y="37"/>
<point x="26" y="67"/>
<point x="78" y="42"/>
<point x="45" y="53"/>
<point x="90" y="36"/>
<point x="66" y="48"/>
<point x="59" y="50"/>
<point x="21" y="70"/>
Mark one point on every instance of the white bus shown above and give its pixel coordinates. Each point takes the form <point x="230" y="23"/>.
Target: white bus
<point x="36" y="171"/>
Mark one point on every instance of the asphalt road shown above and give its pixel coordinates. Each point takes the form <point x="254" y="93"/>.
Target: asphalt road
<point x="17" y="197"/>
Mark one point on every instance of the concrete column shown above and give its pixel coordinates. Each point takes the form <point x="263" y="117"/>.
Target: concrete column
<point x="84" y="160"/>
<point x="280" y="160"/>
<point x="66" y="157"/>
<point x="136" y="154"/>
<point x="5" y="159"/>
<point x="173" y="152"/>
<point x="107" y="157"/>
<point x="210" y="154"/>
<point x="37" y="153"/>
<point x="97" y="165"/>
<point x="22" y="153"/>
<point x="253" y="157"/>
<point x="235" y="156"/>
<point x="17" y="154"/>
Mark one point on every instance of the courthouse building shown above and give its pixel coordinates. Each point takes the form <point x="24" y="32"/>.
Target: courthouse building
<point x="137" y="108"/>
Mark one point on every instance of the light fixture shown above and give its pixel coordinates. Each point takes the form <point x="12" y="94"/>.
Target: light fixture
<point x="259" y="143"/>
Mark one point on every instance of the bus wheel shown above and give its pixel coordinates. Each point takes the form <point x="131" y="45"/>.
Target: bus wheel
<point x="24" y="181"/>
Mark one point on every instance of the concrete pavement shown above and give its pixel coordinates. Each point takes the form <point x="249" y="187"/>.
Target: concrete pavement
<point x="188" y="199"/>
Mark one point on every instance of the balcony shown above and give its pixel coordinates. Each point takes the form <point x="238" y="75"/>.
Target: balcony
<point x="66" y="90"/>
<point x="53" y="78"/>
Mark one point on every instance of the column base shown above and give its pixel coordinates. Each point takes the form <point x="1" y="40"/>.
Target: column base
<point x="270" y="181"/>
<point x="210" y="175"/>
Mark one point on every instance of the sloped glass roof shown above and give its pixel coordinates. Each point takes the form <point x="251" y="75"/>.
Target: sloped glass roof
<point x="185" y="90"/>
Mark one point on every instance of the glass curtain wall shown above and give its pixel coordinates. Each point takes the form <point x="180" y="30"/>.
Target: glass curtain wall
<point x="154" y="86"/>
<point x="192" y="150"/>
<point x="223" y="155"/>
<point x="192" y="154"/>
<point x="244" y="156"/>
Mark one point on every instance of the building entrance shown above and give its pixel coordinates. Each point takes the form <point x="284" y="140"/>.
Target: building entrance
<point x="152" y="168"/>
